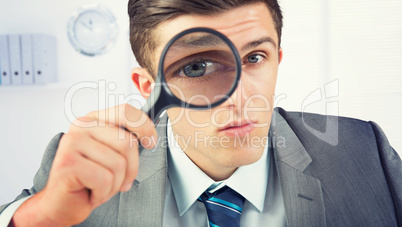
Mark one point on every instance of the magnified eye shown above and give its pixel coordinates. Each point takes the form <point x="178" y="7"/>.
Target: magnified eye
<point x="195" y="69"/>
<point x="200" y="68"/>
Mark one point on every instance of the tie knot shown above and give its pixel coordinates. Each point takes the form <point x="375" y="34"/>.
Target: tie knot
<point x="224" y="207"/>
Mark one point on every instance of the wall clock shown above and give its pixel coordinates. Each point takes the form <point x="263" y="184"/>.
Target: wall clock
<point x="92" y="30"/>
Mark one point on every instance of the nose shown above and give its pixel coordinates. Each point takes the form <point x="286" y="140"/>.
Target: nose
<point x="239" y="97"/>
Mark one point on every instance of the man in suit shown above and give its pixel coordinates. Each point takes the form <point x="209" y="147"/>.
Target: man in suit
<point x="270" y="168"/>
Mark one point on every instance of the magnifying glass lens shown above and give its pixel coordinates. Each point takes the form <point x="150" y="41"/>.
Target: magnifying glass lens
<point x="200" y="68"/>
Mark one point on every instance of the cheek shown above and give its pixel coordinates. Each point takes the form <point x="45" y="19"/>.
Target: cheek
<point x="186" y="119"/>
<point x="261" y="79"/>
<point x="260" y="90"/>
<point x="260" y="95"/>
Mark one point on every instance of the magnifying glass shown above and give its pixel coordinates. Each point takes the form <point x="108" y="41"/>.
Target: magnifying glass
<point x="199" y="69"/>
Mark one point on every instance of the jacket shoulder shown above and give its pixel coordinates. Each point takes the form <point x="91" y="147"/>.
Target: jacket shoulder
<point x="330" y="130"/>
<point x="314" y="118"/>
<point x="353" y="161"/>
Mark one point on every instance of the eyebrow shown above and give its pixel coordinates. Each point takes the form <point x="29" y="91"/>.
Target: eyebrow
<point x="194" y="41"/>
<point x="206" y="40"/>
<point x="209" y="40"/>
<point x="256" y="43"/>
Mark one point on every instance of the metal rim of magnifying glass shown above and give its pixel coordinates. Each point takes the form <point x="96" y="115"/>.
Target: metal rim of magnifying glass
<point x="179" y="102"/>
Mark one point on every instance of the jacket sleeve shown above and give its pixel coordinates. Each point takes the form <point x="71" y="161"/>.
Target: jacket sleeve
<point x="42" y="175"/>
<point x="392" y="167"/>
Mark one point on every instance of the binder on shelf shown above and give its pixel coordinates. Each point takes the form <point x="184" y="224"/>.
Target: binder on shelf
<point x="15" y="59"/>
<point x="44" y="58"/>
<point x="27" y="59"/>
<point x="4" y="61"/>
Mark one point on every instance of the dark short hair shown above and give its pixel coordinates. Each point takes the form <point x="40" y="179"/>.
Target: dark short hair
<point x="146" y="15"/>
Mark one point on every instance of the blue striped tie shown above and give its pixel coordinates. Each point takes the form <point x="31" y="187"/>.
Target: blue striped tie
<point x="224" y="207"/>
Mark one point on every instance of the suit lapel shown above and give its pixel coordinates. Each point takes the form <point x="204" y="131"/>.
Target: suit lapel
<point x="302" y="194"/>
<point x="143" y="205"/>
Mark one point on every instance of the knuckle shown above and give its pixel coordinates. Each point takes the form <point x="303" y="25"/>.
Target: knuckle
<point x="120" y="164"/>
<point x="133" y="115"/>
<point x="149" y="131"/>
<point x="69" y="139"/>
<point x="68" y="159"/>
<point x="92" y="114"/>
<point x="73" y="136"/>
<point x="125" y="146"/>
<point x="124" y="106"/>
<point x="107" y="178"/>
<point x="121" y="115"/>
<point x="84" y="122"/>
<point x="80" y="119"/>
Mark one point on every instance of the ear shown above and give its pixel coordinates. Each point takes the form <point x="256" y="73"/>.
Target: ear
<point x="280" y="55"/>
<point x="143" y="81"/>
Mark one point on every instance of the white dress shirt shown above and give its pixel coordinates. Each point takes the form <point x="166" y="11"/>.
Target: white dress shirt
<point x="8" y="213"/>
<point x="258" y="183"/>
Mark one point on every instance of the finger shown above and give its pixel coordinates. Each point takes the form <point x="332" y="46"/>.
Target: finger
<point x="127" y="147"/>
<point x="94" y="177"/>
<point x="97" y="149"/>
<point x="112" y="136"/>
<point x="128" y="117"/>
<point x="116" y="162"/>
<point x="116" y="137"/>
<point x="132" y="168"/>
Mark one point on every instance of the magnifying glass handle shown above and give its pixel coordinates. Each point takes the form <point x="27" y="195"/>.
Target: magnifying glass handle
<point x="153" y="110"/>
<point x="148" y="109"/>
<point x="155" y="105"/>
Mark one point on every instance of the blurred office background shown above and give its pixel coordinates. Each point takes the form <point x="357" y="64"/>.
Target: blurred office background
<point x="340" y="57"/>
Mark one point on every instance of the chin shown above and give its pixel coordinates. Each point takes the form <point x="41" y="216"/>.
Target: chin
<point x="242" y="156"/>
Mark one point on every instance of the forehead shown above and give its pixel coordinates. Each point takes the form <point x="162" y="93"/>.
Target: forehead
<point x="241" y="25"/>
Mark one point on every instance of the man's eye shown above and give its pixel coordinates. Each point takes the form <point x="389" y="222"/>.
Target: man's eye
<point x="195" y="69"/>
<point x="255" y="58"/>
<point x="199" y="68"/>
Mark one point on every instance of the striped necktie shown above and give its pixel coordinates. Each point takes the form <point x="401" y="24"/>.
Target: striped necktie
<point x="224" y="207"/>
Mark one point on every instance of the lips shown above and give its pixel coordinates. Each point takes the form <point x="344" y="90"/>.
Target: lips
<point x="237" y="128"/>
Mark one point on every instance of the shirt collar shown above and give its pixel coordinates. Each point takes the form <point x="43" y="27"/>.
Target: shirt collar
<point x="189" y="182"/>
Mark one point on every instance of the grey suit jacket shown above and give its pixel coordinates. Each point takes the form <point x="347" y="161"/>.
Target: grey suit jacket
<point x="333" y="171"/>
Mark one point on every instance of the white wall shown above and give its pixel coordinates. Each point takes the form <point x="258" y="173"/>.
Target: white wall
<point x="356" y="43"/>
